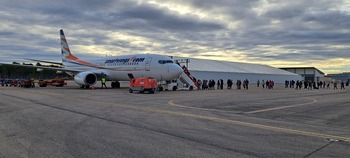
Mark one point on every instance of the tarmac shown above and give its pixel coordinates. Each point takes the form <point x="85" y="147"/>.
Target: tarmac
<point x="73" y="122"/>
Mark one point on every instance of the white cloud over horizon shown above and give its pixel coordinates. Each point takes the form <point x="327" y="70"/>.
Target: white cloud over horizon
<point x="272" y="32"/>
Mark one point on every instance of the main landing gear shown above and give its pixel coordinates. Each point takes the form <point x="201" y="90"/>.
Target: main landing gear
<point x="115" y="84"/>
<point x="84" y="86"/>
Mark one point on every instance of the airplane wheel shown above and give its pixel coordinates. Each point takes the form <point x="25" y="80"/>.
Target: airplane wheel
<point x="113" y="85"/>
<point x="84" y="87"/>
<point x="130" y="90"/>
<point x="117" y="84"/>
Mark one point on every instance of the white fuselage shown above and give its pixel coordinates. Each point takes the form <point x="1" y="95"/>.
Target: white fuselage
<point x="122" y="68"/>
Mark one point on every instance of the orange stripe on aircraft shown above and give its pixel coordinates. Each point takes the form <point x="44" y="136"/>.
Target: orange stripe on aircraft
<point x="67" y="49"/>
<point x="72" y="57"/>
<point x="63" y="39"/>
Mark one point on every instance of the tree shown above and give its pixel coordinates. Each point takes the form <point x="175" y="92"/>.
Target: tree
<point x="19" y="72"/>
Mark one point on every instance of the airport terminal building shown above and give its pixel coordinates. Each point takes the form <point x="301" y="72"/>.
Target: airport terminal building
<point x="212" y="69"/>
<point x="308" y="73"/>
<point x="340" y="77"/>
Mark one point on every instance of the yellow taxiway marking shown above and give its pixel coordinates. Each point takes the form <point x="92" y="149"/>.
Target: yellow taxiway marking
<point x="215" y="119"/>
<point x="252" y="125"/>
<point x="281" y="107"/>
<point x="171" y="102"/>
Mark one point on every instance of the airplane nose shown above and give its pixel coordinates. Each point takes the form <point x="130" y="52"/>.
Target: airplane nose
<point x="177" y="70"/>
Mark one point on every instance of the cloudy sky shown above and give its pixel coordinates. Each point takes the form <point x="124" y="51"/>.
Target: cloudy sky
<point x="279" y="33"/>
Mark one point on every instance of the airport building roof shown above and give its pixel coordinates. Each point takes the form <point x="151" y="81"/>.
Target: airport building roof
<point x="233" y="67"/>
<point x="303" y="68"/>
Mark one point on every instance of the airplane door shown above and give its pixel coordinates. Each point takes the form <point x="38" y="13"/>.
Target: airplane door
<point x="131" y="76"/>
<point x="148" y="63"/>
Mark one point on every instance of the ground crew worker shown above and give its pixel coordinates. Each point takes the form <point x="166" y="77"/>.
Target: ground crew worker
<point x="32" y="82"/>
<point x="103" y="81"/>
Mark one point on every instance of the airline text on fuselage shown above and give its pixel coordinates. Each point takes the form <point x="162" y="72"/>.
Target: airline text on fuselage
<point x="124" y="60"/>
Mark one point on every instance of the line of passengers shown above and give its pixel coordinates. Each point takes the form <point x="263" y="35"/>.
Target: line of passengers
<point x="210" y="84"/>
<point x="309" y="85"/>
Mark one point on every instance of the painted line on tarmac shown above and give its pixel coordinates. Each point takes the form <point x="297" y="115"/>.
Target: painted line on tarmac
<point x="266" y="127"/>
<point x="281" y="107"/>
<point x="171" y="102"/>
<point x="254" y="125"/>
<point x="221" y="120"/>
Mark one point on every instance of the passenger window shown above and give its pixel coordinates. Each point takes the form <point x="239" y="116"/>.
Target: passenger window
<point x="165" y="61"/>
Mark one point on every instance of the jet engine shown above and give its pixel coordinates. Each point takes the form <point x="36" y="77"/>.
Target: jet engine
<point x="85" y="78"/>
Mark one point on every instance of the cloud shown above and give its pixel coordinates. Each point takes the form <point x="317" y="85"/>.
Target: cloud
<point x="258" y="31"/>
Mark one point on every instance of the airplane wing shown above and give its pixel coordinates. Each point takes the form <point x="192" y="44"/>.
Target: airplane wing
<point x="43" y="67"/>
<point x="44" y="61"/>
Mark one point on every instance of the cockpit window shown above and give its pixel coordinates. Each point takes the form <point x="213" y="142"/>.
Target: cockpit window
<point x="165" y="61"/>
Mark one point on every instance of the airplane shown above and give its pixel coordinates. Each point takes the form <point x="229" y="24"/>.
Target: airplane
<point x="114" y="68"/>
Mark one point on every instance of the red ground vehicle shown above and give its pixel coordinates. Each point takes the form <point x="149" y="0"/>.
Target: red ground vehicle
<point x="143" y="84"/>
<point x="14" y="83"/>
<point x="55" y="82"/>
<point x="27" y="84"/>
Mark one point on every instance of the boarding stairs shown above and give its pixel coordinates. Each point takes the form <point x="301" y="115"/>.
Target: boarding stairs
<point x="187" y="82"/>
